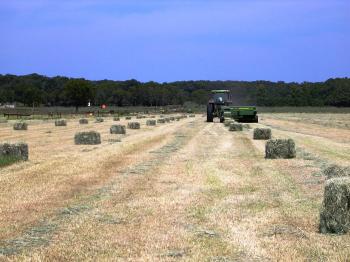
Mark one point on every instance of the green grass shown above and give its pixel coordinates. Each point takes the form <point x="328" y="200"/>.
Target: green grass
<point x="8" y="160"/>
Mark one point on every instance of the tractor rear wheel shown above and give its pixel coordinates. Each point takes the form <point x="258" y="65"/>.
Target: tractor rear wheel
<point x="222" y="119"/>
<point x="210" y="110"/>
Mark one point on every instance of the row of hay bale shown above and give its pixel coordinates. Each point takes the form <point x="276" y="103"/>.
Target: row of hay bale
<point x="17" y="151"/>
<point x="274" y="148"/>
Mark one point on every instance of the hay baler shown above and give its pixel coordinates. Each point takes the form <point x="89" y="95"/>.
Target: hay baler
<point x="220" y="105"/>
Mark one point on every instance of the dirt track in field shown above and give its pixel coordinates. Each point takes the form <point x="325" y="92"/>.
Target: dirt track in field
<point x="187" y="191"/>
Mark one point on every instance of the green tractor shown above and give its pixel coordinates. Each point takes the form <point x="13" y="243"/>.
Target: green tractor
<point x="220" y="105"/>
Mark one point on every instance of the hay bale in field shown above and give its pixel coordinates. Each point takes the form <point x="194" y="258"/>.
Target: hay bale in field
<point x="151" y="122"/>
<point x="192" y="115"/>
<point x="236" y="127"/>
<point x="333" y="171"/>
<point x="262" y="134"/>
<point x="280" y="148"/>
<point x="128" y="118"/>
<point x="134" y="125"/>
<point x="172" y="118"/>
<point x="87" y="138"/>
<point x="18" y="151"/>
<point x="99" y="120"/>
<point x="335" y="211"/>
<point x="60" y="122"/>
<point x="118" y="129"/>
<point x="116" y="118"/>
<point x="161" y="121"/>
<point x="20" y="126"/>
<point x="228" y="122"/>
<point x="152" y="116"/>
<point x="83" y="121"/>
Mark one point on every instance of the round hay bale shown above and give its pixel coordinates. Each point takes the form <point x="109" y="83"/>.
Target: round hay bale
<point x="60" y="122"/>
<point x="83" y="121"/>
<point x="151" y="122"/>
<point x="134" y="125"/>
<point x="128" y="118"/>
<point x="99" y="120"/>
<point x="87" y="138"/>
<point x="20" y="126"/>
<point x="262" y="134"/>
<point x="335" y="211"/>
<point x="236" y="127"/>
<point x="18" y="151"/>
<point x="118" y="129"/>
<point x="161" y="121"/>
<point x="333" y="171"/>
<point x="116" y="118"/>
<point x="280" y="148"/>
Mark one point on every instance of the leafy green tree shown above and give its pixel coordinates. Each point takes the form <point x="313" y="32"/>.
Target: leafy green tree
<point x="78" y="92"/>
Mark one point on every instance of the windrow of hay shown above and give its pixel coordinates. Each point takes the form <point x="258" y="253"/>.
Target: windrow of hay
<point x="118" y="129"/>
<point x="83" y="121"/>
<point x="134" y="125"/>
<point x="280" y="148"/>
<point x="87" y="138"/>
<point x="262" y="134"/>
<point x="335" y="211"/>
<point x="333" y="171"/>
<point x="20" y="126"/>
<point x="60" y="122"/>
<point x="151" y="122"/>
<point x="236" y="127"/>
<point x="18" y="151"/>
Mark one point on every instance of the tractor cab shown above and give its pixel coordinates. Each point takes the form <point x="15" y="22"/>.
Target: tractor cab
<point x="218" y="99"/>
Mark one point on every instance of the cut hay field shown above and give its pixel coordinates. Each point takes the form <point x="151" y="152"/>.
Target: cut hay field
<point x="186" y="190"/>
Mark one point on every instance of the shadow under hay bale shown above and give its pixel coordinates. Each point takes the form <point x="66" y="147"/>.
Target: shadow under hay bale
<point x="118" y="129"/>
<point x="99" y="120"/>
<point x="18" y="151"/>
<point x="134" y="125"/>
<point x="116" y="118"/>
<point x="20" y="126"/>
<point x="335" y="211"/>
<point x="83" y="121"/>
<point x="280" y="148"/>
<point x="262" y="134"/>
<point x="60" y="122"/>
<point x="333" y="171"/>
<point x="161" y="121"/>
<point x="87" y="138"/>
<point x="151" y="122"/>
<point x="236" y="127"/>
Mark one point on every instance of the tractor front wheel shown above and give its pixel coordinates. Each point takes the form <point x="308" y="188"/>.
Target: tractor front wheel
<point x="210" y="110"/>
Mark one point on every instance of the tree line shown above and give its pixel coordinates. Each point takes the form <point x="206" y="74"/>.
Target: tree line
<point x="37" y="90"/>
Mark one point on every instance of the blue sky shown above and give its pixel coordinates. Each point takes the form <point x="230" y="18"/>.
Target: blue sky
<point x="169" y="40"/>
